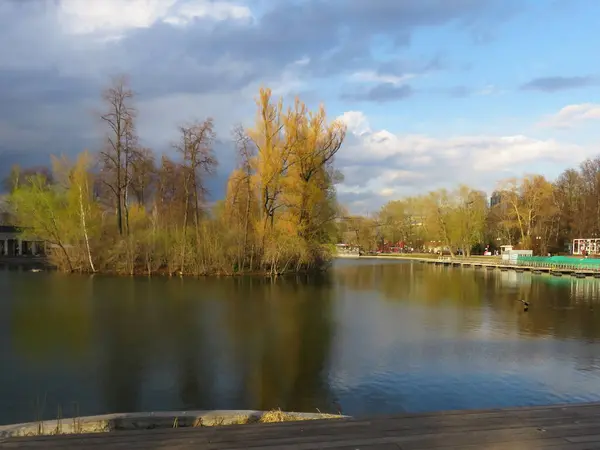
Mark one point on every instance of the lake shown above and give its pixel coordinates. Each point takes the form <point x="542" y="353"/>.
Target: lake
<point x="369" y="337"/>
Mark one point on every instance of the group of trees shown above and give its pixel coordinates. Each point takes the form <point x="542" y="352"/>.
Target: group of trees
<point x="440" y="219"/>
<point x="124" y="210"/>
<point x="530" y="213"/>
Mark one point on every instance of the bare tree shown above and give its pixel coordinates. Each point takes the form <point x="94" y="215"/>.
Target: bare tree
<point x="196" y="148"/>
<point x="116" y="158"/>
<point x="143" y="174"/>
<point x="245" y="153"/>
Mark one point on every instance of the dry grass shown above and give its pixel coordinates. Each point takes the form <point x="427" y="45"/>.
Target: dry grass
<point x="63" y="426"/>
<point x="273" y="416"/>
<point x="277" y="415"/>
<point x="221" y="421"/>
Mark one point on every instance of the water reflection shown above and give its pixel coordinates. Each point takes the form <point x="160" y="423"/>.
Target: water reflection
<point x="128" y="345"/>
<point x="564" y="307"/>
<point x="369" y="337"/>
<point x="458" y="338"/>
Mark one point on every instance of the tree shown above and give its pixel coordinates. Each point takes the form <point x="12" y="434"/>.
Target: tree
<point x="360" y="232"/>
<point x="470" y="214"/>
<point x="143" y="174"/>
<point x="121" y="142"/>
<point x="75" y="180"/>
<point x="277" y="215"/>
<point x="400" y="221"/>
<point x="80" y="189"/>
<point x="241" y="207"/>
<point x="293" y="175"/>
<point x="439" y="217"/>
<point x="528" y="205"/>
<point x="195" y="148"/>
<point x="590" y="177"/>
<point x="272" y="161"/>
<point x="199" y="160"/>
<point x="310" y="175"/>
<point x="19" y="175"/>
<point x="44" y="209"/>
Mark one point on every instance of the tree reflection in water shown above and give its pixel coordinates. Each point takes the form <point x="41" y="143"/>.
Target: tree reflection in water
<point x="373" y="336"/>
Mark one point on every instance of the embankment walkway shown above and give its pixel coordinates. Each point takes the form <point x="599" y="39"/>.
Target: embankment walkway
<point x="571" y="427"/>
<point x="490" y="263"/>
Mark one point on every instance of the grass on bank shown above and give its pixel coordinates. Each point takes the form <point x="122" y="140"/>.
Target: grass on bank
<point x="78" y="425"/>
<point x="272" y="416"/>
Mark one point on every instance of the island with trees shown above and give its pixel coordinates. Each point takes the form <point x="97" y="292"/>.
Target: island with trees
<point x="125" y="210"/>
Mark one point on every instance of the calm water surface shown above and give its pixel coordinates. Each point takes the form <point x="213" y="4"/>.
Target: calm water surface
<point x="370" y="337"/>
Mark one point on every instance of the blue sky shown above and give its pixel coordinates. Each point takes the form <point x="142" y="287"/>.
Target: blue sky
<point x="434" y="92"/>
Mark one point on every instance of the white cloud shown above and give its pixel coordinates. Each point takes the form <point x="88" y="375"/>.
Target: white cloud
<point x="111" y="18"/>
<point x="386" y="192"/>
<point x="572" y="115"/>
<point x="222" y="10"/>
<point x="381" y="164"/>
<point x="356" y="122"/>
<point x="289" y="81"/>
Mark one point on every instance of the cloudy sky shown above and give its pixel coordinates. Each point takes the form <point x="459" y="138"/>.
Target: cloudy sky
<point x="434" y="92"/>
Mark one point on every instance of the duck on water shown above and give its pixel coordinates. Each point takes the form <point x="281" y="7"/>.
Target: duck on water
<point x="525" y="305"/>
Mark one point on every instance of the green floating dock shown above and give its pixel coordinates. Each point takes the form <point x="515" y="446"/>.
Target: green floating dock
<point x="559" y="262"/>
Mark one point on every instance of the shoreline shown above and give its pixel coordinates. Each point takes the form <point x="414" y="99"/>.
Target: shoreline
<point x="495" y="263"/>
<point x="38" y="264"/>
<point x="107" y="423"/>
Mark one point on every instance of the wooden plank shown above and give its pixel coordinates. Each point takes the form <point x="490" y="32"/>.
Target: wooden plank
<point x="556" y="426"/>
<point x="548" y="444"/>
<point x="439" y="440"/>
<point x="259" y="433"/>
<point x="519" y="409"/>
<point x="265" y="433"/>
<point x="590" y="438"/>
<point x="222" y="433"/>
<point x="406" y="441"/>
<point x="433" y="440"/>
<point x="311" y="442"/>
<point x="221" y="436"/>
<point x="368" y="447"/>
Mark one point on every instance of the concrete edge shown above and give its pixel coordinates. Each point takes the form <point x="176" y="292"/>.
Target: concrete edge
<point x="146" y="421"/>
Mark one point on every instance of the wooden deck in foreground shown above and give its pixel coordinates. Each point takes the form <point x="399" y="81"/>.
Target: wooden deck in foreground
<point x="555" y="427"/>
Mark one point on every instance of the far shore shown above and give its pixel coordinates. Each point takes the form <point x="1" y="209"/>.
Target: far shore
<point x="416" y="256"/>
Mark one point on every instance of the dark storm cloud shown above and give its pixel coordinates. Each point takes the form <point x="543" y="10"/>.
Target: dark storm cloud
<point x="48" y="79"/>
<point x="335" y="35"/>
<point x="553" y="84"/>
<point x="42" y="86"/>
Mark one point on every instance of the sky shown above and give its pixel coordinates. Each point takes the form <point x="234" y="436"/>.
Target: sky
<point x="434" y="92"/>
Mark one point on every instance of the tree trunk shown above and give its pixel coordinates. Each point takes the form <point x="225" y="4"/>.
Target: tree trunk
<point x="119" y="191"/>
<point x="126" y="207"/>
<point x="247" y="217"/>
<point x="85" y="233"/>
